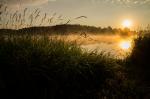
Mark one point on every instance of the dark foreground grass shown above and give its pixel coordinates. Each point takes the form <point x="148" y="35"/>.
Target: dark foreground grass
<point x="43" y="68"/>
<point x="138" y="64"/>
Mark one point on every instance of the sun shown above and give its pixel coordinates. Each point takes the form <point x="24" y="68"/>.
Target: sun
<point x="127" y="23"/>
<point x="125" y="45"/>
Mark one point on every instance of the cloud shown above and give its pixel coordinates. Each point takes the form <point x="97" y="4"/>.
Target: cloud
<point x="126" y="3"/>
<point x="26" y="2"/>
<point x="133" y="1"/>
<point x="123" y="1"/>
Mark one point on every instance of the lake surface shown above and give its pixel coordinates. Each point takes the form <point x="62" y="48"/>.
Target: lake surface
<point x="106" y="44"/>
<point x="111" y="50"/>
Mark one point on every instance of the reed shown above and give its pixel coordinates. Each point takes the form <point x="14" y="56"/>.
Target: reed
<point x="24" y="19"/>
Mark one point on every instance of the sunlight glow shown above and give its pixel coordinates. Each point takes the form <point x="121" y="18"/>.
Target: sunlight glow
<point x="127" y="23"/>
<point x="125" y="45"/>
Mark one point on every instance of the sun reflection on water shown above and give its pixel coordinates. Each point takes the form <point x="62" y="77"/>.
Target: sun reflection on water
<point x="125" y="45"/>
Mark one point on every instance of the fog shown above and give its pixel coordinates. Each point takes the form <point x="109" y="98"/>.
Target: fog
<point x="106" y="44"/>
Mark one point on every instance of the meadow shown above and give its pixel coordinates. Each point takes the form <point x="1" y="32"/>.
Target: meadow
<point x="54" y="69"/>
<point x="33" y="64"/>
<point x="43" y="67"/>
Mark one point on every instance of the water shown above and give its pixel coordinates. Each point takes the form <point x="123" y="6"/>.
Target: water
<point x="106" y="44"/>
<point x="111" y="50"/>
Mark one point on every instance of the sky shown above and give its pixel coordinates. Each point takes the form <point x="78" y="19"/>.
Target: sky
<point x="98" y="12"/>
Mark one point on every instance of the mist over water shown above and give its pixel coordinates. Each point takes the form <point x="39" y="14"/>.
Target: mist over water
<point x="106" y="44"/>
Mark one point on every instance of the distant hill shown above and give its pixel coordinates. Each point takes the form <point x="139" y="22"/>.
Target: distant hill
<point x="67" y="29"/>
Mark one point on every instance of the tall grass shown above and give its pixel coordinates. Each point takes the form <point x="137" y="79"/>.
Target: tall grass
<point x="140" y="56"/>
<point x="39" y="67"/>
<point x="24" y="18"/>
<point x="138" y="63"/>
<point x="27" y="18"/>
